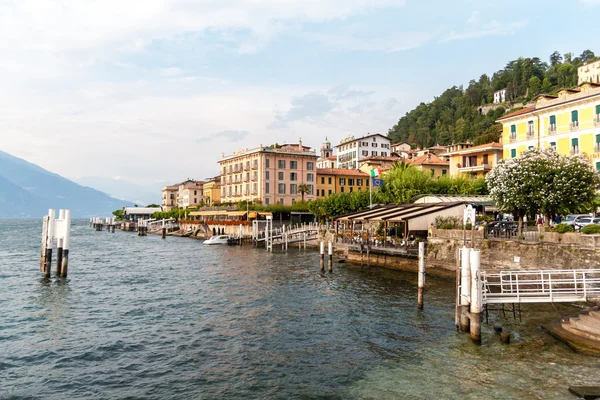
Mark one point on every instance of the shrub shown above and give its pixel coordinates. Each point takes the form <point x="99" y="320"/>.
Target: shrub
<point x="563" y="228"/>
<point x="448" y="223"/>
<point x="591" y="229"/>
<point x="446" y="226"/>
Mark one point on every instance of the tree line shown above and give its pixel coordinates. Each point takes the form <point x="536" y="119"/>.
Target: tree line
<point x="455" y="115"/>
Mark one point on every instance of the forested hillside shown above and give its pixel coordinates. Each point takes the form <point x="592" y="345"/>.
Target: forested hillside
<point x="455" y="115"/>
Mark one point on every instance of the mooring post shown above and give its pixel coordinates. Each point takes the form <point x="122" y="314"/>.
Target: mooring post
<point x="457" y="305"/>
<point x="66" y="241"/>
<point x="330" y="253"/>
<point x="465" y="288"/>
<point x="59" y="247"/>
<point x="49" y="242"/>
<point x="45" y="223"/>
<point x="322" y="253"/>
<point x="476" y="296"/>
<point x="421" y="280"/>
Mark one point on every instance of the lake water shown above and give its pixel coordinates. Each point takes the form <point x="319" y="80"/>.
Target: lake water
<point x="142" y="317"/>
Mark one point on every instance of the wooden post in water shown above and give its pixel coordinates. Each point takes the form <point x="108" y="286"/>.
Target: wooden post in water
<point x="330" y="253"/>
<point x="421" y="280"/>
<point x="456" y="308"/>
<point x="45" y="223"/>
<point x="322" y="254"/>
<point x="476" y="296"/>
<point x="59" y="245"/>
<point x="49" y="242"/>
<point x="465" y="288"/>
<point x="66" y="243"/>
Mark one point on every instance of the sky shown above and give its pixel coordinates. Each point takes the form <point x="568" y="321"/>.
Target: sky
<point x="157" y="90"/>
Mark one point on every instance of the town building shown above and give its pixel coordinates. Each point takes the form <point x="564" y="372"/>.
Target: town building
<point x="500" y="96"/>
<point x="568" y="122"/>
<point x="402" y="149"/>
<point x="327" y="159"/>
<point x="193" y="195"/>
<point x="212" y="191"/>
<point x="431" y="163"/>
<point x="172" y="195"/>
<point x="274" y="174"/>
<point x="436" y="150"/>
<point x="384" y="163"/>
<point x="340" y="180"/>
<point x="473" y="160"/>
<point x="182" y="191"/>
<point x="589" y="72"/>
<point x="136" y="213"/>
<point x="351" y="151"/>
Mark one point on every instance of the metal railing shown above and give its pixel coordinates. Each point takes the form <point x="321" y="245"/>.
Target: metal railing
<point x="541" y="286"/>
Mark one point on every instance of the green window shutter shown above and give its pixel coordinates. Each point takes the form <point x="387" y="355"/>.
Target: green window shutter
<point x="553" y="120"/>
<point x="530" y="147"/>
<point x="598" y="166"/>
<point x="575" y="142"/>
<point x="513" y="153"/>
<point x="598" y="109"/>
<point x="513" y="129"/>
<point x="574" y="116"/>
<point x="597" y="138"/>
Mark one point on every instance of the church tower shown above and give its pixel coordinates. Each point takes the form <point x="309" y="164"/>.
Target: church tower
<point x="326" y="149"/>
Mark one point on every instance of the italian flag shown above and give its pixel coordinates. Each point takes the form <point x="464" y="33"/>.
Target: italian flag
<point x="375" y="172"/>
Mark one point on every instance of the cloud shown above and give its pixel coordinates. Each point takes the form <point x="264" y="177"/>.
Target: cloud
<point x="391" y="43"/>
<point x="230" y="135"/>
<point x="171" y="71"/>
<point x="493" y="28"/>
<point x="474" y="18"/>
<point x="593" y="2"/>
<point x="342" y="92"/>
<point x="310" y="105"/>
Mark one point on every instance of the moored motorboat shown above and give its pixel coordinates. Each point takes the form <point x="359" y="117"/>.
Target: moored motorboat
<point x="218" y="239"/>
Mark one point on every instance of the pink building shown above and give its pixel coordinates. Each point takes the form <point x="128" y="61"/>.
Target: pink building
<point x="270" y="175"/>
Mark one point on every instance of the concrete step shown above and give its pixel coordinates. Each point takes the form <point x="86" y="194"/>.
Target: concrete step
<point x="584" y="328"/>
<point x="595" y="314"/>
<point x="588" y="324"/>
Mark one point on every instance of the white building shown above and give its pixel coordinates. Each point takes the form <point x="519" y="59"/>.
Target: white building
<point x="589" y="72"/>
<point x="181" y="189"/>
<point x="351" y="151"/>
<point x="193" y="195"/>
<point x="327" y="159"/>
<point x="500" y="96"/>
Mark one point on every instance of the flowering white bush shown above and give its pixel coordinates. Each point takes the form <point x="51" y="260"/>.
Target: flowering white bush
<point x="543" y="181"/>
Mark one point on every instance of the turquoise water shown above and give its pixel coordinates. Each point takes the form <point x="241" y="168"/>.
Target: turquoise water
<point x="142" y="317"/>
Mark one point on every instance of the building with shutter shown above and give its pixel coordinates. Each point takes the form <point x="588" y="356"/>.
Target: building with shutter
<point x="568" y="122"/>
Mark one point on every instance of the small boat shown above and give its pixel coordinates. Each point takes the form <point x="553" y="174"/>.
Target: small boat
<point x="218" y="239"/>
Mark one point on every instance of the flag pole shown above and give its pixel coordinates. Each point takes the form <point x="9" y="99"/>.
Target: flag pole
<point x="371" y="192"/>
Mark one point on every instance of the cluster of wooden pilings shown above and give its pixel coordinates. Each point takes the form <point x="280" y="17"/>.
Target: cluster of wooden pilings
<point x="469" y="301"/>
<point x="59" y="229"/>
<point x="98" y="224"/>
<point x="330" y="254"/>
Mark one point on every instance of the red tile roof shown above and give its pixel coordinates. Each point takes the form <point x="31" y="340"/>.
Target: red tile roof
<point x="487" y="146"/>
<point x="340" y="171"/>
<point x="423" y="160"/>
<point x="519" y="112"/>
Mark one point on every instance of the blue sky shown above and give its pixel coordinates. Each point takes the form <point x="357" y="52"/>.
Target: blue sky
<point x="167" y="86"/>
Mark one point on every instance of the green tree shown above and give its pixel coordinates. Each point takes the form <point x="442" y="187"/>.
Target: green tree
<point x="535" y="86"/>
<point x="119" y="214"/>
<point x="153" y="205"/>
<point x="303" y="189"/>
<point x="587" y="55"/>
<point x="546" y="85"/>
<point x="555" y="58"/>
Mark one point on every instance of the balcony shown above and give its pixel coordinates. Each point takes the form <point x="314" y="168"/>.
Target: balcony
<point x="474" y="167"/>
<point x="574" y="126"/>
<point x="254" y="166"/>
<point x="530" y="134"/>
<point x="574" y="150"/>
<point x="552" y="129"/>
<point x="597" y="148"/>
<point x="512" y="138"/>
<point x="247" y="167"/>
<point x="254" y="178"/>
<point x="597" y="120"/>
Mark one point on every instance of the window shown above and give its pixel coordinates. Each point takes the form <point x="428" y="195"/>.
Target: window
<point x="310" y="166"/>
<point x="254" y="188"/>
<point x="351" y="189"/>
<point x="195" y="193"/>
<point x="597" y="145"/>
<point x="310" y="177"/>
<point x="281" y="164"/>
<point x="359" y="182"/>
<point x="552" y="123"/>
<point x="267" y="200"/>
<point x="365" y="153"/>
<point x="444" y="172"/>
<point x="293" y="176"/>
<point x="267" y="188"/>
<point x="574" y="119"/>
<point x="552" y="145"/>
<point x="485" y="159"/>
<point x="224" y="170"/>
<point x="255" y="176"/>
<point x="350" y="181"/>
<point x="323" y="192"/>
<point x="230" y="168"/>
<point x="384" y="153"/>
<point x="598" y="166"/>
<point x="247" y="165"/>
<point x="229" y="191"/>
<point x="280" y="201"/>
<point x="530" y="128"/>
<point x="342" y="189"/>
<point x="529" y="147"/>
<point x="311" y="189"/>
<point x="342" y="181"/>
<point x="281" y="188"/>
<point x="513" y="153"/>
<point x="293" y="188"/>
<point x="329" y="180"/>
<point x="367" y="182"/>
<point x="293" y="165"/>
<point x="574" y="146"/>
<point x="329" y="191"/>
<point x="280" y="176"/>
<point x="597" y="110"/>
<point x="267" y="163"/>
<point x="373" y="144"/>
<point x="322" y="180"/>
<point x="255" y="164"/>
<point x="373" y="153"/>
<point x="267" y="175"/>
<point x="513" y="131"/>
<point x="293" y="201"/>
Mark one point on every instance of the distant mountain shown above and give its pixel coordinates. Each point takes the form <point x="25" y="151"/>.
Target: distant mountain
<point x="27" y="190"/>
<point x="122" y="189"/>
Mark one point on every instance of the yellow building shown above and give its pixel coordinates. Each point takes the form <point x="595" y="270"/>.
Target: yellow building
<point x="430" y="163"/>
<point x="384" y="163"/>
<point x="569" y="123"/>
<point x="340" y="180"/>
<point x="212" y="191"/>
<point x="473" y="160"/>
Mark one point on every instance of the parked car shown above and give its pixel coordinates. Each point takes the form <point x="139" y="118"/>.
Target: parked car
<point x="572" y="218"/>
<point x="581" y="222"/>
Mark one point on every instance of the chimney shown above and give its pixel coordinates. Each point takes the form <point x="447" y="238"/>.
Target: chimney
<point x="300" y="144"/>
<point x="428" y="157"/>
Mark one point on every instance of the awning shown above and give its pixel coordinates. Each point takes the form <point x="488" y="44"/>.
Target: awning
<point x="236" y="213"/>
<point x="265" y="214"/>
<point x="399" y="212"/>
<point x="207" y="213"/>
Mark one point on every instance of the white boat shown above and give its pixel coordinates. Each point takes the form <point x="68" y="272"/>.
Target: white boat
<point x="218" y="239"/>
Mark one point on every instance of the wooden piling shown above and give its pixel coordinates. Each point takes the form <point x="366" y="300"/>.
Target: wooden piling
<point x="322" y="254"/>
<point x="465" y="288"/>
<point x="505" y="338"/>
<point x="476" y="296"/>
<point x="330" y="252"/>
<point x="421" y="279"/>
<point x="59" y="256"/>
<point x="66" y="244"/>
<point x="457" y="307"/>
<point x="164" y="233"/>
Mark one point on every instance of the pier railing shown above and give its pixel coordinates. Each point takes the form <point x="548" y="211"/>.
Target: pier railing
<point x="541" y="286"/>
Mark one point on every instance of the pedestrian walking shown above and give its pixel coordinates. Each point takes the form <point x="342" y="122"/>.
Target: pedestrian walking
<point x="540" y="225"/>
